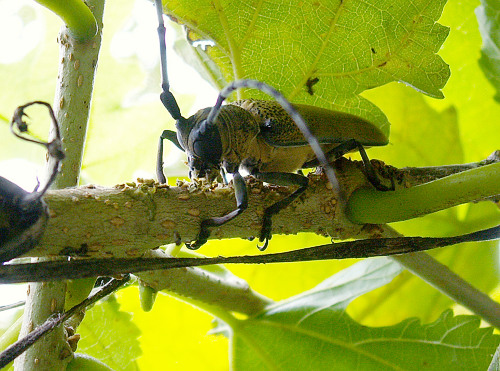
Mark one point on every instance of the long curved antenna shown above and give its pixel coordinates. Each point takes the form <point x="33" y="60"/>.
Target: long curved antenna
<point x="166" y="96"/>
<point x="294" y="114"/>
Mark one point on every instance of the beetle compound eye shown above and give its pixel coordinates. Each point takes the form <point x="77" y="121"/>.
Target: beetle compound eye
<point x="210" y="151"/>
<point x="268" y="125"/>
<point x="207" y="143"/>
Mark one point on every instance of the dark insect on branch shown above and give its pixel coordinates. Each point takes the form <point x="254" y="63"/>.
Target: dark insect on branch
<point x="23" y="215"/>
<point x="270" y="139"/>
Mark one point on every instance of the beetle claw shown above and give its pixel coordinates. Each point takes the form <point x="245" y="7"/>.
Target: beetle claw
<point x="201" y="239"/>
<point x="194" y="245"/>
<point x="266" y="242"/>
<point x="265" y="233"/>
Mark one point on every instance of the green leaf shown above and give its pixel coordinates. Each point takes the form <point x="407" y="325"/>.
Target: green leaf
<point x="108" y="334"/>
<point x="353" y="46"/>
<point x="468" y="90"/>
<point x="424" y="132"/>
<point x="312" y="331"/>
<point x="420" y="134"/>
<point x="181" y="328"/>
<point x="423" y="135"/>
<point x="198" y="59"/>
<point x="340" y="289"/>
<point x="488" y="17"/>
<point x="291" y="341"/>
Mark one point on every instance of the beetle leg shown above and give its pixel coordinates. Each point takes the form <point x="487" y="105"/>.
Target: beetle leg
<point x="284" y="179"/>
<point x="171" y="136"/>
<point x="370" y="172"/>
<point x="346" y="147"/>
<point x="241" y="194"/>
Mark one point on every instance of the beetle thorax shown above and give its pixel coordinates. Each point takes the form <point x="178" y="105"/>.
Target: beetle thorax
<point x="238" y="130"/>
<point x="224" y="141"/>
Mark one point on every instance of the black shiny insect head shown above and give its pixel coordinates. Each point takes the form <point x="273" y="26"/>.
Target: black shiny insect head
<point x="207" y="142"/>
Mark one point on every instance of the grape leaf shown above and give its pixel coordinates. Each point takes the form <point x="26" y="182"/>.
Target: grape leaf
<point x="488" y="17"/>
<point x="284" y="341"/>
<point x="422" y="135"/>
<point x="312" y="331"/>
<point x="352" y="46"/>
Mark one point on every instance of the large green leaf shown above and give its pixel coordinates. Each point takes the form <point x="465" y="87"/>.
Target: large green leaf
<point x="468" y="90"/>
<point x="312" y="331"/>
<point x="114" y="138"/>
<point x="108" y="334"/>
<point x="329" y="339"/>
<point x="425" y="136"/>
<point x="349" y="46"/>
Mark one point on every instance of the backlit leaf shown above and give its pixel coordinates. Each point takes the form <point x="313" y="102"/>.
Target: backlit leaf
<point x="349" y="46"/>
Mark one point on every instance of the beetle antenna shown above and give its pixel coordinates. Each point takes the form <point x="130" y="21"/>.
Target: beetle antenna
<point x="166" y="96"/>
<point x="294" y="114"/>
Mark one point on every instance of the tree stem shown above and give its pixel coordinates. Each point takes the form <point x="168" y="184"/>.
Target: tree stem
<point x="448" y="283"/>
<point x="72" y="107"/>
<point x="229" y="293"/>
<point x="76" y="15"/>
<point x="367" y="205"/>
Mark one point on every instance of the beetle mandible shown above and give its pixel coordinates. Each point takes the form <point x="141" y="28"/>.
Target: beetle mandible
<point x="271" y="140"/>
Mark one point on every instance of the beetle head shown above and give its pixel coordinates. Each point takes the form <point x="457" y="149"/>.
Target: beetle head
<point x="202" y="143"/>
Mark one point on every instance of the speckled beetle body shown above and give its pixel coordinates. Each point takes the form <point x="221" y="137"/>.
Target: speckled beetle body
<point x="269" y="139"/>
<point x="259" y="136"/>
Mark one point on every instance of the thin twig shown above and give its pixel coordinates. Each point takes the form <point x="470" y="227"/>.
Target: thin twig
<point x="58" y="270"/>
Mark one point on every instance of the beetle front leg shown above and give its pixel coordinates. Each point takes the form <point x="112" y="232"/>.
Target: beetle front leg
<point x="284" y="179"/>
<point x="171" y="136"/>
<point x="241" y="194"/>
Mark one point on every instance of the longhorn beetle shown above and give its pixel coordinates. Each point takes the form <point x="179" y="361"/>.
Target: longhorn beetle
<point x="270" y="139"/>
